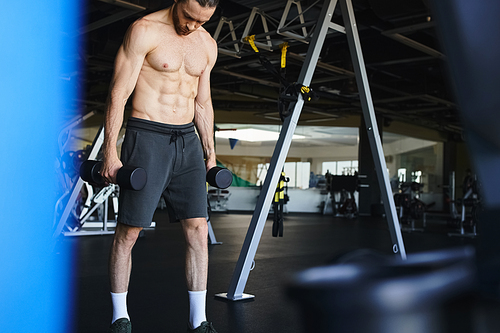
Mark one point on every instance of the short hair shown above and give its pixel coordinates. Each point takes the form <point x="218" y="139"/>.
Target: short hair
<point x="205" y="3"/>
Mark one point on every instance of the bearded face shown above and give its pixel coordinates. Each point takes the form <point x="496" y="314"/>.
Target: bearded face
<point x="179" y="27"/>
<point x="189" y="15"/>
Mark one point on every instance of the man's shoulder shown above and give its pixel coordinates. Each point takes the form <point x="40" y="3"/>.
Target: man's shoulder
<point x="151" y="21"/>
<point x="158" y="16"/>
<point x="209" y="43"/>
<point x="144" y="23"/>
<point x="205" y="35"/>
<point x="143" y="34"/>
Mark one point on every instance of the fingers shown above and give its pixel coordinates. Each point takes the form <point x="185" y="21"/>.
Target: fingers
<point x="109" y="171"/>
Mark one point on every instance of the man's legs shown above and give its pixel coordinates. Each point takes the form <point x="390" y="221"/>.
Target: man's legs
<point x="120" y="266"/>
<point x="196" y="235"/>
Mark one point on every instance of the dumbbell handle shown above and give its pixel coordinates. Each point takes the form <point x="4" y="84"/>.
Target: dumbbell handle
<point x="127" y="177"/>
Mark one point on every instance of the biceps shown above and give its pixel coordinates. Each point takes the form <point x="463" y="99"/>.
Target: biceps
<point x="203" y="98"/>
<point x="127" y="69"/>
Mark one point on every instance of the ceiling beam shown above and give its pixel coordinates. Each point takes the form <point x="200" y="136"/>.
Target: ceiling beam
<point x="250" y="78"/>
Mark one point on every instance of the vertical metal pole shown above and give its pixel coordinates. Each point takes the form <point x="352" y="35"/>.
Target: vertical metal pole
<point x="105" y="219"/>
<point x="211" y="234"/>
<point x="372" y="127"/>
<point x="252" y="239"/>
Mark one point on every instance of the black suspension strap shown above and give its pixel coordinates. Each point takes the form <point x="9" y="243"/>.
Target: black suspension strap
<point x="288" y="92"/>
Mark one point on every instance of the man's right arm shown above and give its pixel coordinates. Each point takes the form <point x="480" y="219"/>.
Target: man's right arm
<point x="128" y="64"/>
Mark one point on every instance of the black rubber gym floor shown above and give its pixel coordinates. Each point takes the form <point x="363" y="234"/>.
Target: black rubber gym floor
<point x="157" y="300"/>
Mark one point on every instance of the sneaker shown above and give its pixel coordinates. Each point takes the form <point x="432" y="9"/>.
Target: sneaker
<point x="205" y="327"/>
<point x="121" y="325"/>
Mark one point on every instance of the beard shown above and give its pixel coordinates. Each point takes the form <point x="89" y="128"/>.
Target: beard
<point x="179" y="29"/>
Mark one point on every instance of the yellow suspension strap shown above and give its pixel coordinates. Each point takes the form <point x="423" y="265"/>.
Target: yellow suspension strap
<point x="251" y="40"/>
<point x="279" y="201"/>
<point x="307" y="93"/>
<point x="279" y="196"/>
<point x="282" y="105"/>
<point x="283" y="47"/>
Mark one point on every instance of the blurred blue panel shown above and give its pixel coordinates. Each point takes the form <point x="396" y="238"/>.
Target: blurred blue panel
<point x="37" y="45"/>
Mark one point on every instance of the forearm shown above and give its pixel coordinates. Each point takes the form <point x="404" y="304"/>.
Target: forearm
<point x="112" y="125"/>
<point x="204" y="122"/>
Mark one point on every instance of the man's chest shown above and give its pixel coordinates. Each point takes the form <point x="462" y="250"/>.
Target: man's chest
<point x="177" y="54"/>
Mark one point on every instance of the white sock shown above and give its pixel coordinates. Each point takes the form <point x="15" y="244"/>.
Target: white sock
<point x="119" y="306"/>
<point x="197" y="302"/>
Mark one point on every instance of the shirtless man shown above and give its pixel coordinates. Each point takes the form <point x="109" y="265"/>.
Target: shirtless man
<point x="166" y="58"/>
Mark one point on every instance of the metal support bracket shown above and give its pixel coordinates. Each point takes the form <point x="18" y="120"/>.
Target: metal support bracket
<point x="301" y="38"/>
<point x="236" y="51"/>
<point x="256" y="11"/>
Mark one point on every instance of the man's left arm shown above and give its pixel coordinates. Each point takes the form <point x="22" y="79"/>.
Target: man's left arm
<point x="204" y="112"/>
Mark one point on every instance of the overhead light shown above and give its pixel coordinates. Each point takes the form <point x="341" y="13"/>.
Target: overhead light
<point x="252" y="135"/>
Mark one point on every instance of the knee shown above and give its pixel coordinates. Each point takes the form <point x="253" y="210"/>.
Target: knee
<point x="196" y="230"/>
<point x="126" y="235"/>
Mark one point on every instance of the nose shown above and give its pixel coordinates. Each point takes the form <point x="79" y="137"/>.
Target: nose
<point x="192" y="26"/>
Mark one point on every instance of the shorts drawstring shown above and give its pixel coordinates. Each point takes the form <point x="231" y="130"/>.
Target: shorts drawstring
<point x="173" y="138"/>
<point x="166" y="129"/>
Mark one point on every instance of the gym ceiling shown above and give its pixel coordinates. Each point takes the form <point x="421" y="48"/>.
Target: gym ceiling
<point x="405" y="67"/>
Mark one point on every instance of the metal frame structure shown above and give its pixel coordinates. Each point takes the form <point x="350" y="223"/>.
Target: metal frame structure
<point x="283" y="24"/>
<point x="236" y="51"/>
<point x="462" y="232"/>
<point x="289" y="27"/>
<point x="75" y="191"/>
<point x="397" y="35"/>
<point x="246" y="259"/>
<point x="268" y="45"/>
<point x="100" y="200"/>
<point x="211" y="234"/>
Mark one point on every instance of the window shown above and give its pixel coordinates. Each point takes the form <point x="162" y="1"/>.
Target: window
<point x="330" y="167"/>
<point x="261" y="173"/>
<point x="340" y="167"/>
<point x="298" y="172"/>
<point x="402" y="175"/>
<point x="416" y="176"/>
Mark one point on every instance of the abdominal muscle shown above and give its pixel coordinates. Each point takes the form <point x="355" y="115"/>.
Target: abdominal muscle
<point x="164" y="97"/>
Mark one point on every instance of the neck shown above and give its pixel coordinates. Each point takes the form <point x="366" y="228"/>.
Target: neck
<point x="167" y="17"/>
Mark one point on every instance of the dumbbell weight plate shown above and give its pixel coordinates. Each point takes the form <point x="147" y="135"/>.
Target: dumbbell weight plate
<point x="132" y="177"/>
<point x="89" y="171"/>
<point x="219" y="177"/>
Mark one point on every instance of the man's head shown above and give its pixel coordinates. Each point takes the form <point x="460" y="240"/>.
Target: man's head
<point x="205" y="3"/>
<point x="189" y="15"/>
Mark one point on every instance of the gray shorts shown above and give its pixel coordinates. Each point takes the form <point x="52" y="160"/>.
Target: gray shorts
<point x="173" y="159"/>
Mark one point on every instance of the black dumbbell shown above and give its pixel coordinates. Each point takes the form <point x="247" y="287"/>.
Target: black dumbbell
<point x="219" y="177"/>
<point x="128" y="177"/>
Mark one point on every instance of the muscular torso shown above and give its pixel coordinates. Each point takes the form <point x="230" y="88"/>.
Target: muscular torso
<point x="168" y="81"/>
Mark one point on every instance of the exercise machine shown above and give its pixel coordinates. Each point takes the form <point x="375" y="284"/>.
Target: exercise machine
<point x="470" y="208"/>
<point x="409" y="205"/>
<point x="342" y="190"/>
